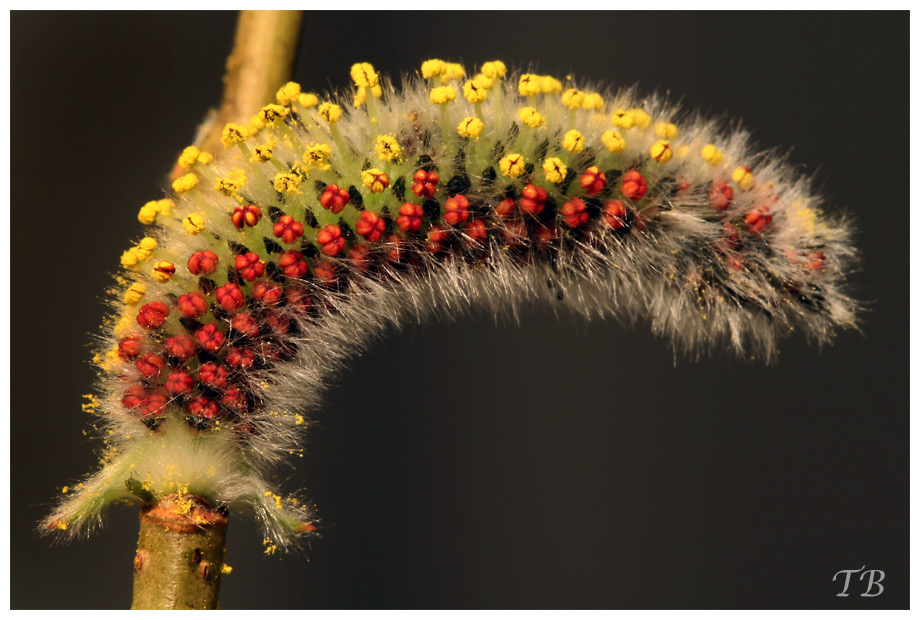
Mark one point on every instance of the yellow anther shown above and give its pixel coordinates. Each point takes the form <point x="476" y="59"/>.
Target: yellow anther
<point x="330" y="112"/>
<point x="661" y="151"/>
<point x="683" y="151"/>
<point x="142" y="254"/>
<point x="205" y="158"/>
<point x="185" y="183"/>
<point x="308" y="100"/>
<point x="573" y="141"/>
<point x="129" y="258"/>
<point x="188" y="157"/>
<point x="287" y="183"/>
<point x="484" y="80"/>
<point x="193" y="223"/>
<point x="432" y="68"/>
<point x="743" y="177"/>
<point x="555" y="170"/>
<point x="263" y="152"/>
<point x="623" y="119"/>
<point x="452" y="71"/>
<point x="361" y="95"/>
<point x="232" y="134"/>
<point x="288" y="94"/>
<point x="666" y="131"/>
<point x="231" y="184"/>
<point x="475" y="91"/>
<point x="148" y="244"/>
<point x="550" y="85"/>
<point x="530" y="117"/>
<point x="163" y="271"/>
<point x="387" y="147"/>
<point x="711" y="154"/>
<point x="317" y="156"/>
<point x="375" y="180"/>
<point x="494" y="69"/>
<point x="134" y="293"/>
<point x="363" y="75"/>
<point x="272" y="113"/>
<point x="593" y="101"/>
<point x="641" y="119"/>
<point x="164" y="206"/>
<point x="148" y="213"/>
<point x="529" y="85"/>
<point x="442" y="94"/>
<point x="512" y="165"/>
<point x="573" y="99"/>
<point x="470" y="128"/>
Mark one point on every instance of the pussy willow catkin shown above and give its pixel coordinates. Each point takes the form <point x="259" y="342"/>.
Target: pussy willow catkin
<point x="324" y="222"/>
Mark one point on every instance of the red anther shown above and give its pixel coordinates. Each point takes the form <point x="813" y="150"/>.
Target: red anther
<point x="593" y="181"/>
<point x="245" y="324"/>
<point x="324" y="273"/>
<point x="543" y="236"/>
<point x="456" y="210"/>
<point x="515" y="233"/>
<point x="153" y="404"/>
<point x="249" y="266"/>
<point x="734" y="261"/>
<point x="720" y="195"/>
<point x="298" y="299"/>
<point x="278" y="323"/>
<point x="638" y="221"/>
<point x="153" y="315"/>
<point x="179" y="382"/>
<point x="394" y="248"/>
<point x="234" y="398"/>
<point x="682" y="187"/>
<point x="268" y="293"/>
<point x="166" y="268"/>
<point x="425" y="183"/>
<point x="334" y="198"/>
<point x="230" y="297"/>
<point x="574" y="212"/>
<point x="201" y="407"/>
<point x="505" y="209"/>
<point x="330" y="240"/>
<point x="212" y="375"/>
<point x="180" y="346"/>
<point x="731" y="235"/>
<point x="292" y="264"/>
<point x="370" y="225"/>
<point x="129" y="347"/>
<point x="815" y="261"/>
<point x="203" y="263"/>
<point x="533" y="199"/>
<point x="288" y="229"/>
<point x="210" y="337"/>
<point x="614" y="214"/>
<point x="758" y="219"/>
<point x="134" y="396"/>
<point x="192" y="305"/>
<point x="358" y="254"/>
<point x="150" y="365"/>
<point x="410" y="217"/>
<point x="248" y="215"/>
<point x="437" y="236"/>
<point x="476" y="230"/>
<point x="633" y="185"/>
<point x="239" y="357"/>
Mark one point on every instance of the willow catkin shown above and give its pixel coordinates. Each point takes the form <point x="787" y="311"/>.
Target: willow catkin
<point x="325" y="221"/>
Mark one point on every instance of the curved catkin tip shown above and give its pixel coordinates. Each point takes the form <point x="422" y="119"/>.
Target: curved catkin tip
<point x="327" y="219"/>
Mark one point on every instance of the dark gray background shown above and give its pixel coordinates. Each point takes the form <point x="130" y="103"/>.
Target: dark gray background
<point x="576" y="466"/>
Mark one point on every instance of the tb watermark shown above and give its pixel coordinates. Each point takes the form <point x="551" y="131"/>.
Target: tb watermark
<point x="874" y="585"/>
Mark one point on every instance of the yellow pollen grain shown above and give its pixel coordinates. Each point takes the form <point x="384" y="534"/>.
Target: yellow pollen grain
<point x="573" y="141"/>
<point x="185" y="183"/>
<point x="298" y="419"/>
<point x="387" y="147"/>
<point x="711" y="154"/>
<point x="226" y="569"/>
<point x="470" y="127"/>
<point x="613" y="141"/>
<point x="512" y="165"/>
<point x="288" y="94"/>
<point x="530" y="117"/>
<point x="193" y="223"/>
<point x="442" y="94"/>
<point x="188" y="157"/>
<point x="64" y="490"/>
<point x="555" y="170"/>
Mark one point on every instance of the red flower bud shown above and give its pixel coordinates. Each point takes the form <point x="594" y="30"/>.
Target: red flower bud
<point x="249" y="266"/>
<point x="533" y="199"/>
<point x="370" y="225"/>
<point x="210" y="337"/>
<point x="153" y="315"/>
<point x="334" y="198"/>
<point x="330" y="240"/>
<point x="410" y="217"/>
<point x="633" y="185"/>
<point x="192" y="305"/>
<point x="248" y="215"/>
<point x="230" y="297"/>
<point x="456" y="210"/>
<point x="203" y="263"/>
<point x="593" y="181"/>
<point x="150" y="365"/>
<point x="425" y="183"/>
<point x="129" y="347"/>
<point x="288" y="229"/>
<point x="292" y="264"/>
<point x="574" y="213"/>
<point x="179" y="382"/>
<point x="180" y="346"/>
